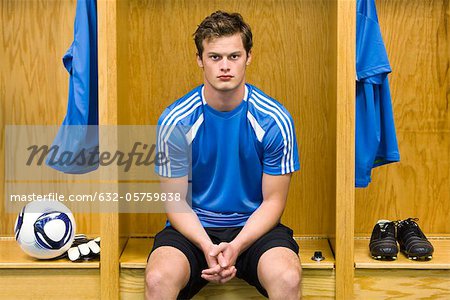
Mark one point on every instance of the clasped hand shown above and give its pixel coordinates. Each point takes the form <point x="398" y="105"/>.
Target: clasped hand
<point x="221" y="260"/>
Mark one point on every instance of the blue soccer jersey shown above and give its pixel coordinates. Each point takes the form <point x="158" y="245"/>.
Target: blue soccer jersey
<point x="376" y="141"/>
<point x="230" y="151"/>
<point x="78" y="134"/>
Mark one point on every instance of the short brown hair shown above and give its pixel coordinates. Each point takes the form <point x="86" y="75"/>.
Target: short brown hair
<point x="220" y="24"/>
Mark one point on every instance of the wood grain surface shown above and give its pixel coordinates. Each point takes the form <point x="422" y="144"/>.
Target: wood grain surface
<point x="23" y="284"/>
<point x="417" y="38"/>
<point x="402" y="284"/>
<point x="108" y="110"/>
<point x="345" y="19"/>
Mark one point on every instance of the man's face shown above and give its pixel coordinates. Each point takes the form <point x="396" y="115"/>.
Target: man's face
<point x="224" y="61"/>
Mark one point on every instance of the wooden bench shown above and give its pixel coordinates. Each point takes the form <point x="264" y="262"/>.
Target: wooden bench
<point x="318" y="277"/>
<point x="402" y="278"/>
<point x="23" y="277"/>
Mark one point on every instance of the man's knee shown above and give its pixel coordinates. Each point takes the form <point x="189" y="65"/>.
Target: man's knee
<point x="286" y="285"/>
<point x="162" y="281"/>
<point x="291" y="278"/>
<point x="280" y="274"/>
<point x="154" y="279"/>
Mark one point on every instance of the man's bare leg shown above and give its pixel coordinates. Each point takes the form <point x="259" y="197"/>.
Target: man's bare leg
<point x="166" y="274"/>
<point x="279" y="272"/>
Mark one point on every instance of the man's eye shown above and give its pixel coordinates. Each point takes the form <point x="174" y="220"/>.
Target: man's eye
<point x="214" y="57"/>
<point x="235" y="56"/>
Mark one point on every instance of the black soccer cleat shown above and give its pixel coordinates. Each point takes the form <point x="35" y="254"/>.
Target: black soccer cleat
<point x="383" y="244"/>
<point x="413" y="242"/>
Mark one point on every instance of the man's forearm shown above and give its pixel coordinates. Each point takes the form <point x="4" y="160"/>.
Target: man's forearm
<point x="181" y="215"/>
<point x="188" y="224"/>
<point x="260" y="222"/>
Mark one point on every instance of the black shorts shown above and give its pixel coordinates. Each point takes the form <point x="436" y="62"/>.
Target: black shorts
<point x="246" y="263"/>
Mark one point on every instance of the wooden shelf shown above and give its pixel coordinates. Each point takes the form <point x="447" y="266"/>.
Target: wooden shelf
<point x="12" y="257"/>
<point x="137" y="250"/>
<point x="441" y="257"/>
<point x="307" y="248"/>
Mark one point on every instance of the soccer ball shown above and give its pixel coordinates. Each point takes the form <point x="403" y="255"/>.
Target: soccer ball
<point x="45" y="229"/>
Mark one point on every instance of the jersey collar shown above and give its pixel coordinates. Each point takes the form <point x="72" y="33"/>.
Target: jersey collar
<point x="203" y="94"/>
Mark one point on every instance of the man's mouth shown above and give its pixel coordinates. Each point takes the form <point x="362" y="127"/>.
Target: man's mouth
<point x="225" y="77"/>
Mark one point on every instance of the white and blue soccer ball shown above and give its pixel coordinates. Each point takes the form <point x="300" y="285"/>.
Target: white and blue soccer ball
<point x="45" y="229"/>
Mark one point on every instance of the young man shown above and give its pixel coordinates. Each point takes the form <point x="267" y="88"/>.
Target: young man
<point x="244" y="150"/>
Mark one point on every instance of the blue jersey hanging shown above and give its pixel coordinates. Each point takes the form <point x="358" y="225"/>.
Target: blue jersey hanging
<point x="75" y="148"/>
<point x="376" y="141"/>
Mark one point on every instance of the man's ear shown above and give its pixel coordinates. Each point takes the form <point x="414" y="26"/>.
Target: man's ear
<point x="249" y="58"/>
<point x="199" y="61"/>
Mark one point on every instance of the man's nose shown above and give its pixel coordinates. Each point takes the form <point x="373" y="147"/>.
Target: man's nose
<point x="225" y="65"/>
